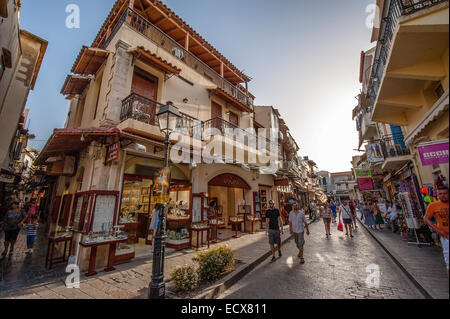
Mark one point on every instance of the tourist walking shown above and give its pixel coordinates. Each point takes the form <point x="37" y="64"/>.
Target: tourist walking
<point x="353" y="213"/>
<point x="334" y="211"/>
<point x="326" y="214"/>
<point x="345" y="213"/>
<point x="378" y="215"/>
<point x="297" y="227"/>
<point x="439" y="210"/>
<point x="31" y="227"/>
<point x="12" y="223"/>
<point x="369" y="219"/>
<point x="274" y="229"/>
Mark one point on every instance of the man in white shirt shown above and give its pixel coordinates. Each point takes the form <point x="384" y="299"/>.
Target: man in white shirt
<point x="345" y="212"/>
<point x="297" y="226"/>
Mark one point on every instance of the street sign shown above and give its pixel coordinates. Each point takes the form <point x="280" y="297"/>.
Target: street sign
<point x="363" y="173"/>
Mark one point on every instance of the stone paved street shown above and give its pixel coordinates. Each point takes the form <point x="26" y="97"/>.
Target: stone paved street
<point x="334" y="268"/>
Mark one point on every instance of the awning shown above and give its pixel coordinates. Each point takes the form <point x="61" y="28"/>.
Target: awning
<point x="439" y="107"/>
<point x="75" y="84"/>
<point x="152" y="59"/>
<point x="89" y="60"/>
<point x="69" y="141"/>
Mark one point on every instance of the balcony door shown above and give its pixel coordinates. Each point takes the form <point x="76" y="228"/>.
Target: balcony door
<point x="234" y="119"/>
<point x="216" y="115"/>
<point x="144" y="84"/>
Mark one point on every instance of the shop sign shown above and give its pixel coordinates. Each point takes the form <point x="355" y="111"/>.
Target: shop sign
<point x="365" y="184"/>
<point x="363" y="173"/>
<point x="230" y="181"/>
<point x="113" y="152"/>
<point x="374" y="153"/>
<point x="161" y="187"/>
<point x="433" y="154"/>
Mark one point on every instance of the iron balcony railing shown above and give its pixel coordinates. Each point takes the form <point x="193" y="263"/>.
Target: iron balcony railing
<point x="140" y="108"/>
<point x="396" y="9"/>
<point x="393" y="146"/>
<point x="145" y="27"/>
<point x="144" y="110"/>
<point x="228" y="129"/>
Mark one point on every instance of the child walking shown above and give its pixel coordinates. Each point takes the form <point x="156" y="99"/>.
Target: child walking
<point x="31" y="229"/>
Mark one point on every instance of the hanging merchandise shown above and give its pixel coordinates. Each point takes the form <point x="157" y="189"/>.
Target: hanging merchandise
<point x="408" y="209"/>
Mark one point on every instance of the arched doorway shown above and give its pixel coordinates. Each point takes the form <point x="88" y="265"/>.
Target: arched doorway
<point x="229" y="191"/>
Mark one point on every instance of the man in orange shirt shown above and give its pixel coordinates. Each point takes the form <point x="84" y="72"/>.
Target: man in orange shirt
<point x="439" y="210"/>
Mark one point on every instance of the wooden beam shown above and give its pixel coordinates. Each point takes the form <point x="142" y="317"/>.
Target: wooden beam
<point x="186" y="42"/>
<point x="221" y="69"/>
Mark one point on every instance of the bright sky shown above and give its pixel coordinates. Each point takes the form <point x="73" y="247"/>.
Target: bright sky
<point x="303" y="57"/>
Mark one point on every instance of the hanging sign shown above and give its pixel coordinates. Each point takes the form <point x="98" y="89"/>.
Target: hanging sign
<point x="433" y="154"/>
<point x="363" y="173"/>
<point x="365" y="184"/>
<point x="112" y="153"/>
<point x="374" y="153"/>
<point x="161" y="187"/>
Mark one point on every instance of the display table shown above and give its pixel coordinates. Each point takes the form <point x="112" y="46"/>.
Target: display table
<point x="199" y="232"/>
<point x="236" y="223"/>
<point x="52" y="241"/>
<point x="215" y="224"/>
<point x="252" y="221"/>
<point x="131" y="228"/>
<point x="111" y="256"/>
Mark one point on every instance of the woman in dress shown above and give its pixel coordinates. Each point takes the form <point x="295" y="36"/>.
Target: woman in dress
<point x="368" y="212"/>
<point x="378" y="216"/>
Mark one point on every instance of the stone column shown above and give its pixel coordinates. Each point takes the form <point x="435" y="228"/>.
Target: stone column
<point x="118" y="83"/>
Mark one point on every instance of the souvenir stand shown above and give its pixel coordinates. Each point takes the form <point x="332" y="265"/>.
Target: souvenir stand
<point x="179" y="217"/>
<point x="243" y="212"/>
<point x="215" y="222"/>
<point x="95" y="220"/>
<point x="199" y="223"/>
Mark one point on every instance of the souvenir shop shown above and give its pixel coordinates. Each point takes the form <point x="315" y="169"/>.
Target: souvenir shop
<point x="286" y="196"/>
<point x="137" y="210"/>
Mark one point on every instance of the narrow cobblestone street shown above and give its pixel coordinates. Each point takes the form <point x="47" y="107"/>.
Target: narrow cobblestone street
<point x="335" y="268"/>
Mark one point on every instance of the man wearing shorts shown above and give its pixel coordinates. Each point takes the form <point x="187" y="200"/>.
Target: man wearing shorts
<point x="274" y="226"/>
<point x="439" y="210"/>
<point x="345" y="212"/>
<point x="12" y="223"/>
<point x="297" y="226"/>
<point x="326" y="216"/>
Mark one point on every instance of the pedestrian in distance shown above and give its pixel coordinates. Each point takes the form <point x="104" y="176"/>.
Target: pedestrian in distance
<point x="334" y="211"/>
<point x="439" y="210"/>
<point x="326" y="214"/>
<point x="353" y="213"/>
<point x="297" y="227"/>
<point x="274" y="229"/>
<point x="344" y="212"/>
<point x="31" y="227"/>
<point x="378" y="215"/>
<point x="12" y="223"/>
<point x="369" y="219"/>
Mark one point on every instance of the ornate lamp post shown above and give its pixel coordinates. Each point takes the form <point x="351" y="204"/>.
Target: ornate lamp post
<point x="168" y="117"/>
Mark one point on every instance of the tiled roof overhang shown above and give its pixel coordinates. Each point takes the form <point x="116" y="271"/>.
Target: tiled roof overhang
<point x="154" y="60"/>
<point x="75" y="84"/>
<point x="89" y="60"/>
<point x="228" y="98"/>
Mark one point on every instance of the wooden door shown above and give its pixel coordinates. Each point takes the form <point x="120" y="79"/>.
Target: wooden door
<point x="216" y="115"/>
<point x="145" y="85"/>
<point x="234" y="119"/>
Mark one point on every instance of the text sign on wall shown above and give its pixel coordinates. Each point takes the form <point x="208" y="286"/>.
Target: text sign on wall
<point x="433" y="154"/>
<point x="363" y="173"/>
<point x="113" y="152"/>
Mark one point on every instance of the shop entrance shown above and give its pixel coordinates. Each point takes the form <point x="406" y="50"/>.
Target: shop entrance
<point x="227" y="192"/>
<point x="136" y="209"/>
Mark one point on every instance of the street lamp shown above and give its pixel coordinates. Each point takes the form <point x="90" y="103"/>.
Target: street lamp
<point x="168" y="116"/>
